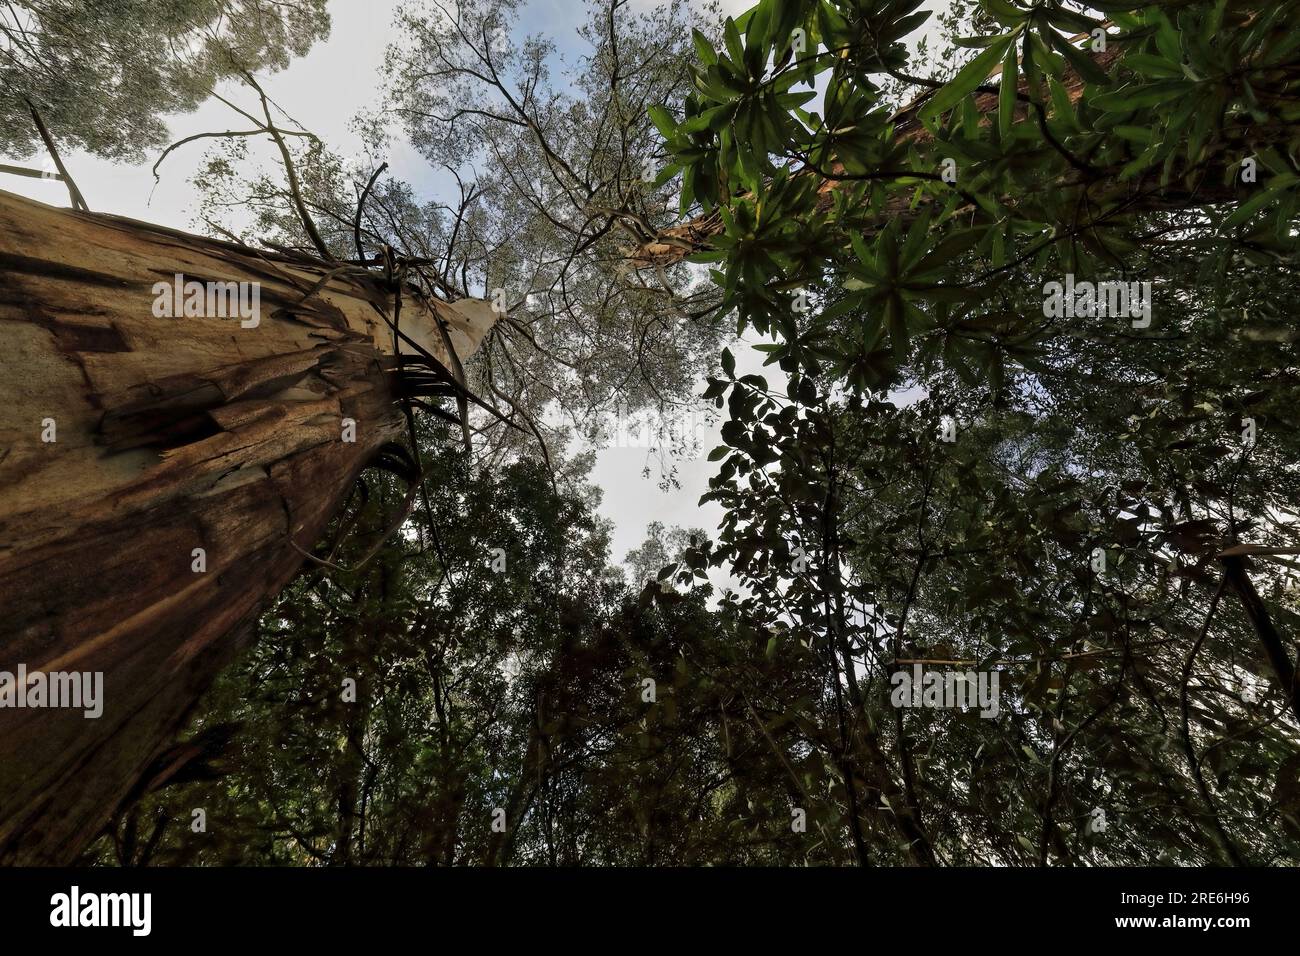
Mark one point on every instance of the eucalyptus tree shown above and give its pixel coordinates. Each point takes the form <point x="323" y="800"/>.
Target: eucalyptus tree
<point x="542" y="178"/>
<point x="190" y="415"/>
<point x="100" y="76"/>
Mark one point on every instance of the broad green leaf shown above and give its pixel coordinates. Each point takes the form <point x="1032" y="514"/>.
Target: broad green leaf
<point x="971" y="76"/>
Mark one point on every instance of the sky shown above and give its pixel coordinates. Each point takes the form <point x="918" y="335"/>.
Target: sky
<point x="323" y="91"/>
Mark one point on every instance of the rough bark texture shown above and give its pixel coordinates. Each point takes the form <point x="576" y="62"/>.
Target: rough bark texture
<point x="171" y="434"/>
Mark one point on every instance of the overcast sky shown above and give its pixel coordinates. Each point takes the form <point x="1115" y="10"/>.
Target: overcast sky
<point x="323" y="91"/>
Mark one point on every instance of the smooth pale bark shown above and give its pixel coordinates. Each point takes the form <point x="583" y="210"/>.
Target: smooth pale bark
<point x="172" y="434"/>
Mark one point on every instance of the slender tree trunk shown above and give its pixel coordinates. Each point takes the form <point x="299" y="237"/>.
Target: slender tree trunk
<point x="1288" y="681"/>
<point x="160" y="479"/>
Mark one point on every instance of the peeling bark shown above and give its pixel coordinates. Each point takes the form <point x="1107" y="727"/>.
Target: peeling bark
<point x="171" y="434"/>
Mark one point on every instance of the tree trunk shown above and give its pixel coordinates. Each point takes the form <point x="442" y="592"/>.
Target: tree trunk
<point x="128" y="441"/>
<point x="1288" y="679"/>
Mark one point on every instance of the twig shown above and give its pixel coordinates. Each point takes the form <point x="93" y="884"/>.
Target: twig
<point x="361" y="205"/>
<point x="78" y="201"/>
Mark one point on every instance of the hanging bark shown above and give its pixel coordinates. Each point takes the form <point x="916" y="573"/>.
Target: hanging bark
<point x="128" y="441"/>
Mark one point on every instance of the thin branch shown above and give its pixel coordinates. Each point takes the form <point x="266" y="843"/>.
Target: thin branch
<point x="78" y="201"/>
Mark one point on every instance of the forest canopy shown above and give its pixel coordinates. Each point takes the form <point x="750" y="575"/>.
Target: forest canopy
<point x="1023" y="278"/>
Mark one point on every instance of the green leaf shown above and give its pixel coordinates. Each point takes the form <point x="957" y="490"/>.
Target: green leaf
<point x="756" y="29"/>
<point x="703" y="48"/>
<point x="1007" y="92"/>
<point x="1141" y="95"/>
<point x="735" y="49"/>
<point x="1005" y="12"/>
<point x="1062" y="108"/>
<point x="977" y="43"/>
<point x="1254" y="204"/>
<point x="663" y="121"/>
<point x="971" y="76"/>
<point x="1150" y="65"/>
<point x="1081" y="61"/>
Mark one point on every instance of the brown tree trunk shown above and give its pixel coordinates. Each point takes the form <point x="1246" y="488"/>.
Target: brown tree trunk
<point x="1288" y="678"/>
<point x="169" y="435"/>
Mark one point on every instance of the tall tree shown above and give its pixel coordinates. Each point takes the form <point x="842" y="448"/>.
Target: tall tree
<point x="549" y="157"/>
<point x="190" y="415"/>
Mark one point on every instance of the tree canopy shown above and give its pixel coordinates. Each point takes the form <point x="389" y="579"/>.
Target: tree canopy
<point x="102" y="74"/>
<point x="1030" y="296"/>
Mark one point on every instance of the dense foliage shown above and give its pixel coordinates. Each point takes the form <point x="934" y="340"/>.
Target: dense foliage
<point x="100" y="74"/>
<point x="1058" y="504"/>
<point x="947" y="471"/>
